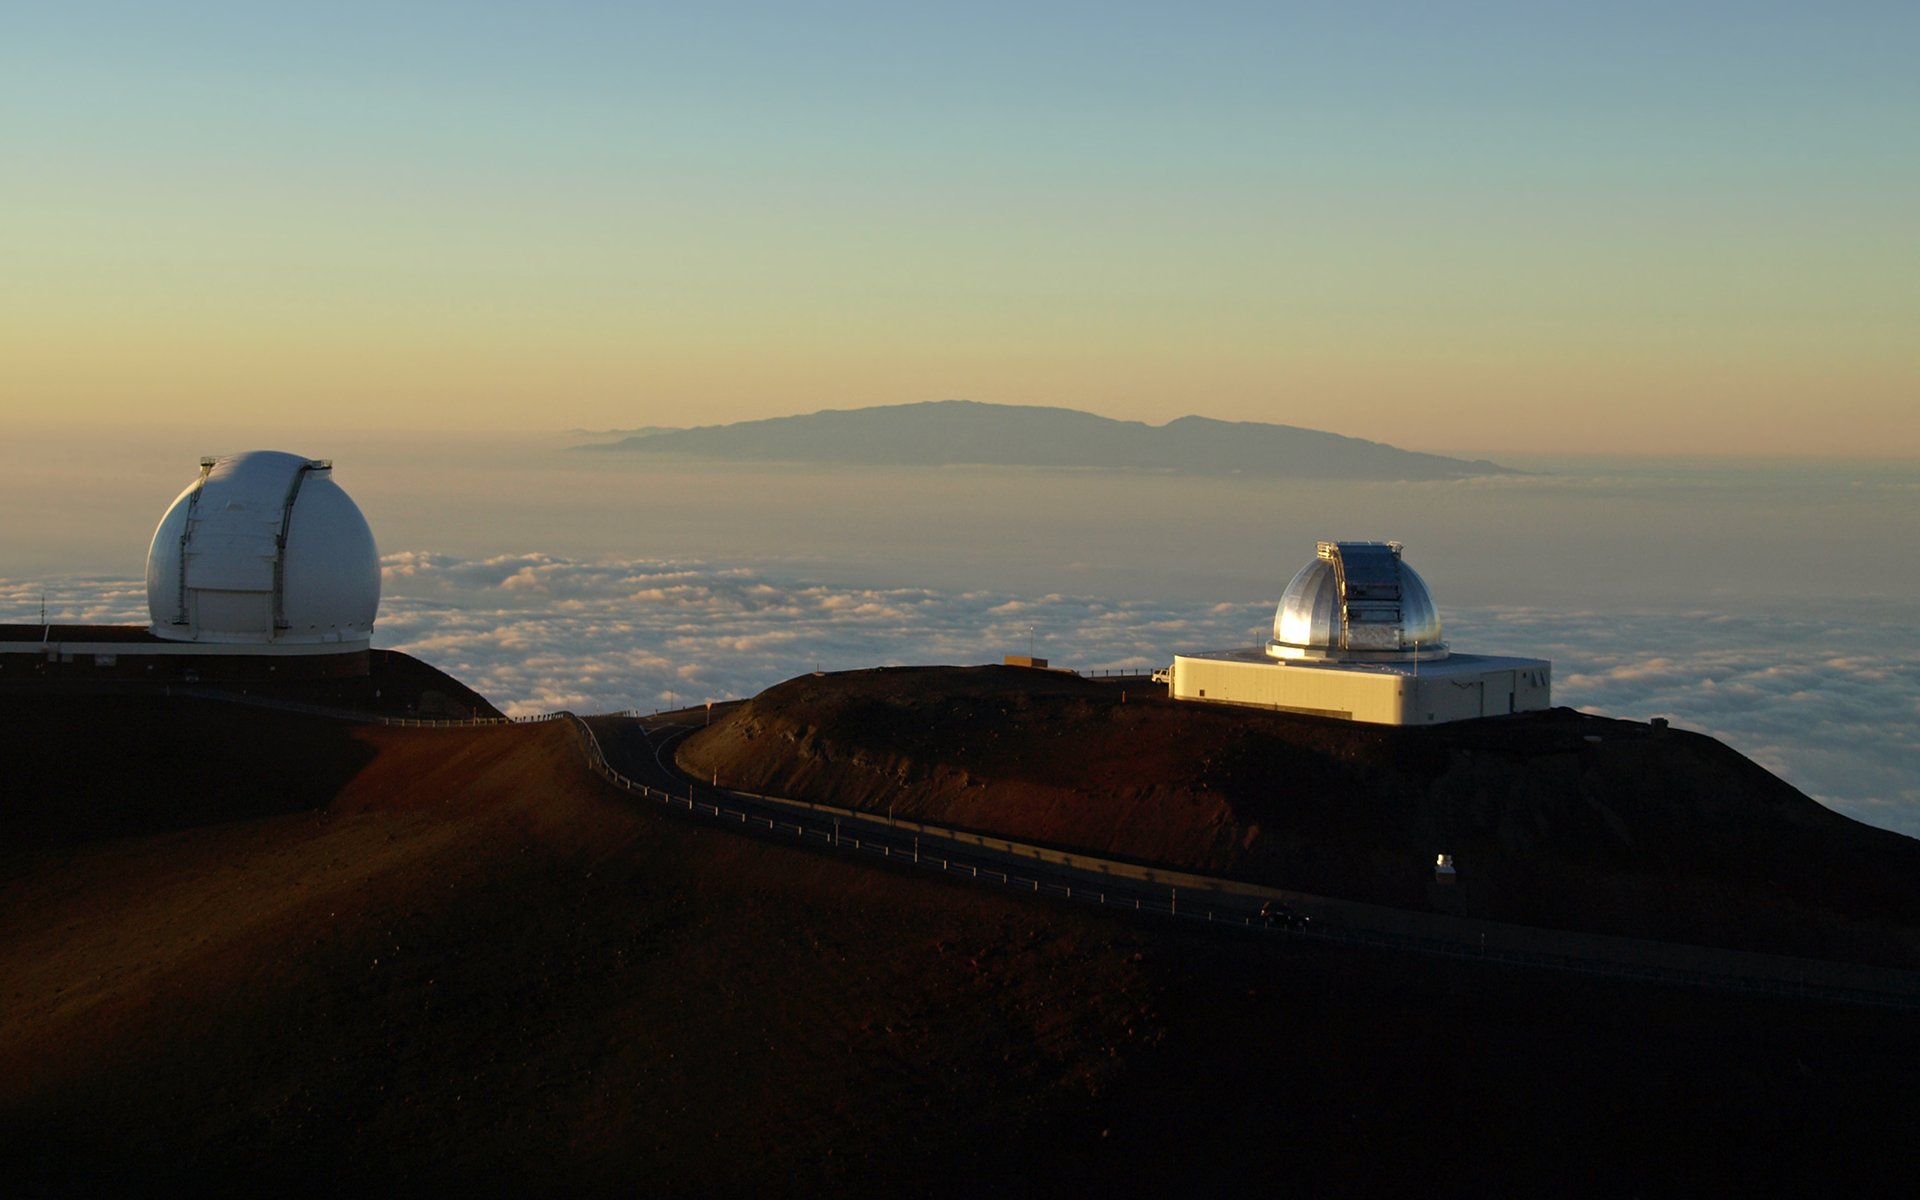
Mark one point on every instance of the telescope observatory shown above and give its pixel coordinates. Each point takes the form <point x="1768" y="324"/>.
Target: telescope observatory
<point x="264" y="550"/>
<point x="1357" y="637"/>
<point x="263" y="568"/>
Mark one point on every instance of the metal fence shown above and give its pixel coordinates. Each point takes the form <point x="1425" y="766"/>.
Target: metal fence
<point x="1144" y="888"/>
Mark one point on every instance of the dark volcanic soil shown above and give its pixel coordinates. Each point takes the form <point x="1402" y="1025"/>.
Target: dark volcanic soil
<point x="453" y="959"/>
<point x="1555" y="818"/>
<point x="81" y="763"/>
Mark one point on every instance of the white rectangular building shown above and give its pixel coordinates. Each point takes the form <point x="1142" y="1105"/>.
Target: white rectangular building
<point x="1455" y="688"/>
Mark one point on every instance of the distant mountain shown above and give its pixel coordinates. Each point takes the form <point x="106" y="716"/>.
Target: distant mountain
<point x="627" y="434"/>
<point x="968" y="433"/>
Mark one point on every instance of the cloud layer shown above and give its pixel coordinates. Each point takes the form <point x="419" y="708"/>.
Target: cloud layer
<point x="536" y="632"/>
<point x="1830" y="703"/>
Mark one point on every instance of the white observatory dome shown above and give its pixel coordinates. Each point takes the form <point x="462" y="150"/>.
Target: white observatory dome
<point x="1357" y="602"/>
<point x="264" y="547"/>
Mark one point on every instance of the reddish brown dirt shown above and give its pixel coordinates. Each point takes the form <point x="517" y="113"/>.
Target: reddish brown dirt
<point x="472" y="965"/>
<point x="145" y="762"/>
<point x="1554" y="818"/>
<point x="475" y="959"/>
<point x="395" y="685"/>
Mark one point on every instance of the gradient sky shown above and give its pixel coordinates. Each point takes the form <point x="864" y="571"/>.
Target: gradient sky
<point x="1494" y="227"/>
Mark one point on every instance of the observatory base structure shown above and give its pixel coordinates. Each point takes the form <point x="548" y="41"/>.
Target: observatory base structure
<point x="1357" y="637"/>
<point x="1457" y="688"/>
<point x="123" y="653"/>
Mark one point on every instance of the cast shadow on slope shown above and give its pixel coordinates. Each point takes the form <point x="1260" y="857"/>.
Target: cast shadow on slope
<point x="83" y="764"/>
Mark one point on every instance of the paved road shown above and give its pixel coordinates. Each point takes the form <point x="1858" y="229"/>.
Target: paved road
<point x="642" y="750"/>
<point x="635" y="754"/>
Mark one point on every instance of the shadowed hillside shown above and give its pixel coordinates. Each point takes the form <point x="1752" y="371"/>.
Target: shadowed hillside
<point x="84" y="762"/>
<point x="1554" y="818"/>
<point x="453" y="958"/>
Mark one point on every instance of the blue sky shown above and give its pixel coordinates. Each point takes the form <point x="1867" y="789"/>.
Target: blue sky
<point x="1487" y="227"/>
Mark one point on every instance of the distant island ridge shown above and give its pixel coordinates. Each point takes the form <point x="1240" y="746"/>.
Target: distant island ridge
<point x="951" y="433"/>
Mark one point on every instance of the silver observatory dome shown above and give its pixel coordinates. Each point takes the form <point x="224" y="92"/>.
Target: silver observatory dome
<point x="1357" y="602"/>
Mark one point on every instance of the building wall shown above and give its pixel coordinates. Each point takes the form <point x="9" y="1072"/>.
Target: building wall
<point x="1490" y="693"/>
<point x="1375" y="696"/>
<point x="121" y="663"/>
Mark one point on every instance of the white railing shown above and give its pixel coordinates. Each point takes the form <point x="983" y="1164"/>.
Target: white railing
<point x="469" y="722"/>
<point x="1141" y="887"/>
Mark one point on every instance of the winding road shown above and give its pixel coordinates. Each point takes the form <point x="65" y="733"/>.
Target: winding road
<point x="636" y="754"/>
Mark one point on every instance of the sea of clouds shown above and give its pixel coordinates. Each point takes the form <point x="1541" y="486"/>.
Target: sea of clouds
<point x="1832" y="702"/>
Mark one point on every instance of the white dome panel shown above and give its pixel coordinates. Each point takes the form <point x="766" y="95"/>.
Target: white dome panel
<point x="264" y="547"/>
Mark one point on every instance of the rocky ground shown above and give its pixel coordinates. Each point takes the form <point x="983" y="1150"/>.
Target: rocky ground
<point x="385" y="959"/>
<point x="1554" y="818"/>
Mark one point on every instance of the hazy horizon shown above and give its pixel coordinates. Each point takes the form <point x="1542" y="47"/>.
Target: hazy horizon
<point x="485" y="495"/>
<point x="1772" y="605"/>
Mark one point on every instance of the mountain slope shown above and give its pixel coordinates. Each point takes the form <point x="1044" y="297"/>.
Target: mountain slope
<point x="1556" y="819"/>
<point x="969" y="433"/>
<point x="475" y="967"/>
